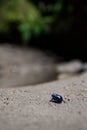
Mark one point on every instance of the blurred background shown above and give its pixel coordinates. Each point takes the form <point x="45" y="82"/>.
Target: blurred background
<point x="59" y="26"/>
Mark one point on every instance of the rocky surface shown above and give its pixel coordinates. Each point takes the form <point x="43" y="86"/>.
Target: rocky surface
<point x="24" y="66"/>
<point x="29" y="108"/>
<point x="73" y="66"/>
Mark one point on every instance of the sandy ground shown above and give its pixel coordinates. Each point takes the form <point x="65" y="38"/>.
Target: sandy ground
<point x="29" y="108"/>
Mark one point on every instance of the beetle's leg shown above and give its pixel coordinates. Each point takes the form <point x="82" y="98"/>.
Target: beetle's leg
<point x="64" y="101"/>
<point x="51" y="99"/>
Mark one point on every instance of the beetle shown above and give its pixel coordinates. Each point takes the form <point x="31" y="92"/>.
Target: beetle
<point x="57" y="98"/>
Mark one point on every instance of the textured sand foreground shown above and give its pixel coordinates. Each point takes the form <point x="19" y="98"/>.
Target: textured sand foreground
<point x="28" y="108"/>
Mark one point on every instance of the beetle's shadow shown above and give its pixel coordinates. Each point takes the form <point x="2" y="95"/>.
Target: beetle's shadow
<point x="54" y="101"/>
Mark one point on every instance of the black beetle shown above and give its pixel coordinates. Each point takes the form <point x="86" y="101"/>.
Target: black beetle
<point x="57" y="98"/>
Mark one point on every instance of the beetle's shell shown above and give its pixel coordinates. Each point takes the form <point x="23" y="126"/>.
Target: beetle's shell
<point x="57" y="98"/>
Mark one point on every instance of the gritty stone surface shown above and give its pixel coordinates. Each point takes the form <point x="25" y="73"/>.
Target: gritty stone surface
<point x="29" y="108"/>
